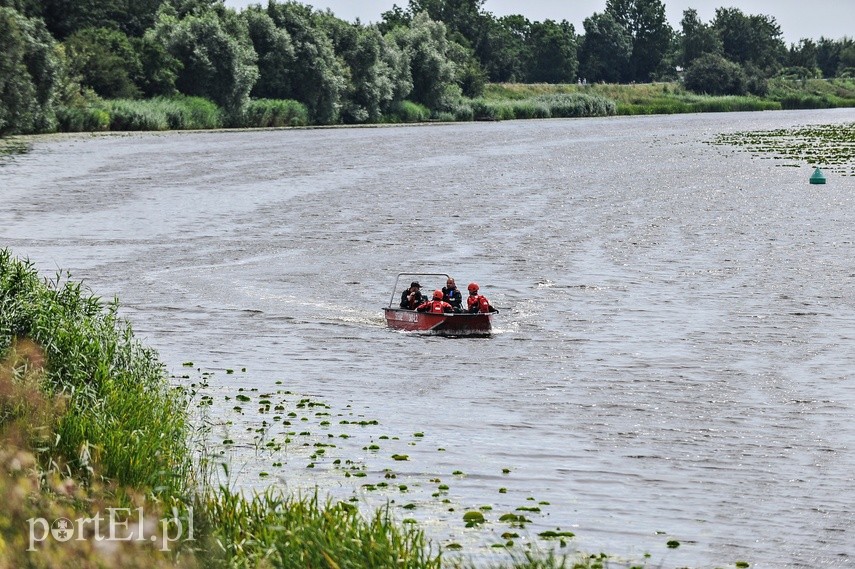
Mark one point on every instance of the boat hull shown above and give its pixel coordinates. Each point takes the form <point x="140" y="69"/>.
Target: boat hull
<point x="448" y="324"/>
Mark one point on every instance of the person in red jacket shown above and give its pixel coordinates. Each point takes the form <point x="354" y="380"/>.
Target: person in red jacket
<point x="437" y="305"/>
<point x="476" y="302"/>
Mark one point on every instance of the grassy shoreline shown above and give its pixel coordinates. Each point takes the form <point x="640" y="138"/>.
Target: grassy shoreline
<point x="499" y="102"/>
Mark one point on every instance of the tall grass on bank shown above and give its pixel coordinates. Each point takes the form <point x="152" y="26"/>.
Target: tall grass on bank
<point x="176" y="113"/>
<point x="34" y="496"/>
<point x="11" y="147"/>
<point x="407" y="112"/>
<point x="305" y="532"/>
<point x="813" y="93"/>
<point x="121" y="412"/>
<point x="635" y="99"/>
<point x="542" y="106"/>
<point x="697" y="104"/>
<point x="161" y="113"/>
<point x="264" y="113"/>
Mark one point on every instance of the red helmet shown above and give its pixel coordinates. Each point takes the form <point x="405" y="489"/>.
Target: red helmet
<point x="473" y="287"/>
<point x="437" y="295"/>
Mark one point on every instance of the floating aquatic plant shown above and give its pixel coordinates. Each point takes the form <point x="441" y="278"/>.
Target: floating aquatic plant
<point x="473" y="518"/>
<point x="831" y="146"/>
<point x="549" y="534"/>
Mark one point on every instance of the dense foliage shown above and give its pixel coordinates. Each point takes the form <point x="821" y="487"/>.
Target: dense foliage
<point x="59" y="60"/>
<point x="120" y="410"/>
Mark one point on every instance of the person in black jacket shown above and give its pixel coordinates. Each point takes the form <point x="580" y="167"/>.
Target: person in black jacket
<point x="412" y="297"/>
<point x="452" y="295"/>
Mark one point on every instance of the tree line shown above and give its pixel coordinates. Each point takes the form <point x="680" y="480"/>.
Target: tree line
<point x="56" y="54"/>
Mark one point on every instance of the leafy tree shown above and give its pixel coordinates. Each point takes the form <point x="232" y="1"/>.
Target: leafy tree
<point x="755" y="39"/>
<point x="605" y="50"/>
<point x="317" y="78"/>
<point x="371" y="85"/>
<point x="29" y="74"/>
<point x="697" y="38"/>
<point x="159" y="68"/>
<point x="553" y="52"/>
<point x="276" y="59"/>
<point x="470" y="76"/>
<point x="828" y="56"/>
<point x="846" y="67"/>
<point x="394" y="18"/>
<point x="648" y="27"/>
<point x="217" y="58"/>
<point x="466" y="24"/>
<point x="506" y="52"/>
<point x="106" y="61"/>
<point x="27" y="8"/>
<point x="425" y="46"/>
<point x="183" y="8"/>
<point x="803" y="55"/>
<point x="64" y="17"/>
<point x="714" y="75"/>
<point x="465" y="20"/>
<point x="136" y="16"/>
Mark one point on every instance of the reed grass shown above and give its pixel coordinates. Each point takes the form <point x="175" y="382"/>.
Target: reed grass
<point x="164" y="113"/>
<point x="82" y="119"/>
<point x="265" y="113"/>
<point x="307" y="532"/>
<point x="813" y="93"/>
<point x="543" y="105"/>
<point x="407" y="112"/>
<point x="160" y="113"/>
<point x="501" y="101"/>
<point x="672" y="97"/>
<point x="121" y="413"/>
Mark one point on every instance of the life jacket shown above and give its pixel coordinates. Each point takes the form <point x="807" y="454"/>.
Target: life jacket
<point x="479" y="301"/>
<point x="451" y="295"/>
<point x="438" y="306"/>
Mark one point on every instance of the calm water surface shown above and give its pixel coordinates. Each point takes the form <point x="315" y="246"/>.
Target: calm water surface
<point x="674" y="357"/>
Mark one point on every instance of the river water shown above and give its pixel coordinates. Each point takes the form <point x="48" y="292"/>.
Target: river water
<point x="673" y="359"/>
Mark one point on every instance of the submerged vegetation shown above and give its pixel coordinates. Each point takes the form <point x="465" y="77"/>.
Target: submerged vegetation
<point x="102" y="462"/>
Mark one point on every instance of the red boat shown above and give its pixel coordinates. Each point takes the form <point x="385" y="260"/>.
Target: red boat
<point x="447" y="324"/>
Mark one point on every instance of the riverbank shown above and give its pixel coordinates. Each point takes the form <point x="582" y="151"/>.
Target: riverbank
<point x="673" y="98"/>
<point x="500" y="102"/>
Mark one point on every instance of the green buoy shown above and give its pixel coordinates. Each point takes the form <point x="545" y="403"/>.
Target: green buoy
<point x="817" y="177"/>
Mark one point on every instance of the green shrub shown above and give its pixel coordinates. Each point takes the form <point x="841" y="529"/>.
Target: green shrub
<point x="264" y="113"/>
<point x="795" y="101"/>
<point x="572" y="105"/>
<point x="505" y="112"/>
<point x="82" y="119"/>
<point x="408" y="111"/>
<point x="483" y="110"/>
<point x="714" y="75"/>
<point x="136" y="115"/>
<point x="462" y="112"/>
<point x="192" y="113"/>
